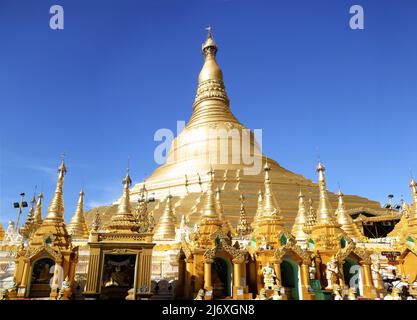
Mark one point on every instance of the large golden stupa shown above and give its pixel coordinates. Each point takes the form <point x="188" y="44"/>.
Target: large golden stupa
<point x="214" y="138"/>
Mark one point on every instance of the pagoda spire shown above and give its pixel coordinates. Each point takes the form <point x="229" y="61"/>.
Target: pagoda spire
<point x="124" y="220"/>
<point x="211" y="103"/>
<point x="259" y="209"/>
<point x="243" y="227"/>
<point x="345" y="220"/>
<point x="53" y="230"/>
<point x="209" y="207"/>
<point x="56" y="207"/>
<point x="219" y="206"/>
<point x="324" y="210"/>
<point x="77" y="227"/>
<point x="270" y="205"/>
<point x="413" y="187"/>
<point x="226" y="226"/>
<point x="165" y="229"/>
<point x="311" y="219"/>
<point x="300" y="220"/>
<point x="37" y="217"/>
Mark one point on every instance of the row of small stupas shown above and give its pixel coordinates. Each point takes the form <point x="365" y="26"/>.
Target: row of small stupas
<point x="310" y="223"/>
<point x="166" y="227"/>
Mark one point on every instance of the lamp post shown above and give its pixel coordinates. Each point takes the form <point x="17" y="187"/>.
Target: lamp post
<point x="390" y="206"/>
<point x="20" y="205"/>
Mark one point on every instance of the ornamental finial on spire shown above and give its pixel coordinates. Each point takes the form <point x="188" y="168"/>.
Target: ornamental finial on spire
<point x="208" y="28"/>
<point x="209" y="47"/>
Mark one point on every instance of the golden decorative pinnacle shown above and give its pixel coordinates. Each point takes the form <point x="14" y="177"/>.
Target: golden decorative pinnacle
<point x="243" y="228"/>
<point x="345" y="220"/>
<point x="209" y="47"/>
<point x="96" y="221"/>
<point x="300" y="220"/>
<point x="37" y="217"/>
<point x="165" y="229"/>
<point x="27" y="228"/>
<point x="219" y="207"/>
<point x="56" y="207"/>
<point x="324" y="211"/>
<point x="259" y="210"/>
<point x="77" y="227"/>
<point x="311" y="219"/>
<point x="124" y="220"/>
<point x="413" y="186"/>
<point x="270" y="205"/>
<point x="209" y="209"/>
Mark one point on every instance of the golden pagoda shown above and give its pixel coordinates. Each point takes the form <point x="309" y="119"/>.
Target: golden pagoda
<point x="300" y="221"/>
<point x="120" y="256"/>
<point x="213" y="260"/>
<point x="207" y="252"/>
<point x="77" y="227"/>
<point x="210" y="222"/>
<point x="270" y="222"/>
<point x="1" y="232"/>
<point x="49" y="248"/>
<point x="346" y="221"/>
<point x="326" y="231"/>
<point x="165" y="228"/>
<point x="205" y="142"/>
<point x="332" y="247"/>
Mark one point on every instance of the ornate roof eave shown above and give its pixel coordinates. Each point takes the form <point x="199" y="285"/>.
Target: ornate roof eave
<point x="292" y="246"/>
<point x="238" y="255"/>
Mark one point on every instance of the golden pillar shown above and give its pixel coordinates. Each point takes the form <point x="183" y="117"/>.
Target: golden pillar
<point x="25" y="277"/>
<point x="207" y="279"/>
<point x="305" y="281"/>
<point x="244" y="267"/>
<point x="55" y="280"/>
<point x="369" y="290"/>
<point x="71" y="271"/>
<point x="188" y="289"/>
<point x="237" y="274"/>
<point x="92" y="287"/>
<point x="277" y="269"/>
<point x="207" y="274"/>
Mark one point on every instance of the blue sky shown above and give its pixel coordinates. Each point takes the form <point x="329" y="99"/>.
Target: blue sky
<point x="120" y="70"/>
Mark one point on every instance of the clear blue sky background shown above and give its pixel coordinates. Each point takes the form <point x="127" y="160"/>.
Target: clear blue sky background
<point x="120" y="70"/>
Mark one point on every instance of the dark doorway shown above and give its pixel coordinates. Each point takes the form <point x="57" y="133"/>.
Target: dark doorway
<point x="118" y="276"/>
<point x="289" y="278"/>
<point x="41" y="278"/>
<point x="221" y="277"/>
